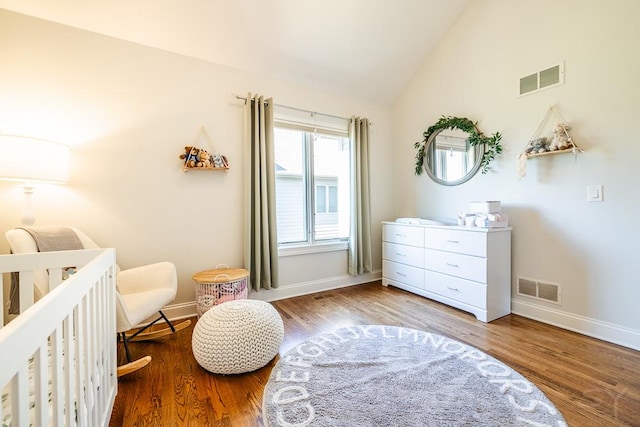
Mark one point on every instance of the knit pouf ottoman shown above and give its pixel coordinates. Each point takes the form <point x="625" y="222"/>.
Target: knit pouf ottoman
<point x="237" y="336"/>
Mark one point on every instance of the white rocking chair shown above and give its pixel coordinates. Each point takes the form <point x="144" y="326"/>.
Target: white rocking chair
<point x="141" y="293"/>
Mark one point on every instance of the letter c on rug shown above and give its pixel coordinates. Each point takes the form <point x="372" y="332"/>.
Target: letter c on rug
<point x="299" y="393"/>
<point x="284" y="423"/>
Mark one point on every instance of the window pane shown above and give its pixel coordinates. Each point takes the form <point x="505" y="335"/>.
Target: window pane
<point x="321" y="199"/>
<point x="333" y="199"/>
<point x="331" y="169"/>
<point x="291" y="210"/>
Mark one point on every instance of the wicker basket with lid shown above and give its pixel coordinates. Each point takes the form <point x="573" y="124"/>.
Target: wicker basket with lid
<point x="219" y="285"/>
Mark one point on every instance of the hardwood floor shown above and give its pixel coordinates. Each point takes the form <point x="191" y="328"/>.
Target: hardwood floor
<point x="593" y="383"/>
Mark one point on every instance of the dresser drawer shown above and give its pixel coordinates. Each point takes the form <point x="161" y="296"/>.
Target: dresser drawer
<point x="406" y="274"/>
<point x="464" y="266"/>
<point x="404" y="235"/>
<point x="460" y="241"/>
<point x="410" y="255"/>
<point x="471" y="293"/>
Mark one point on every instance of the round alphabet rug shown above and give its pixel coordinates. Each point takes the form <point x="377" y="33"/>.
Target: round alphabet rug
<point x="391" y="376"/>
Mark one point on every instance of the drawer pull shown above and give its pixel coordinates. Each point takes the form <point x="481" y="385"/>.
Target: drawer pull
<point x="453" y="289"/>
<point x="401" y="254"/>
<point x="453" y="241"/>
<point x="401" y="274"/>
<point x="400" y="235"/>
<point x="453" y="265"/>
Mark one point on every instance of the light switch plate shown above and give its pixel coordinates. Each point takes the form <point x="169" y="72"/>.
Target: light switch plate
<point x="594" y="193"/>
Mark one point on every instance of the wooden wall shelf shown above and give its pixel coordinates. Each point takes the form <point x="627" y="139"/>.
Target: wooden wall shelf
<point x="191" y="155"/>
<point x="549" y="153"/>
<point x="204" y="169"/>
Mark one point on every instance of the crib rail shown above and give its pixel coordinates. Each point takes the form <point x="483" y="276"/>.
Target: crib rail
<point x="59" y="354"/>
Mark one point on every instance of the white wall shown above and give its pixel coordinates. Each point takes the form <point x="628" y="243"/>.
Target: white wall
<point x="128" y="111"/>
<point x="590" y="249"/>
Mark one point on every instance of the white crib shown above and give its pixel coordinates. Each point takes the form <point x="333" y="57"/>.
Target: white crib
<point x="58" y="356"/>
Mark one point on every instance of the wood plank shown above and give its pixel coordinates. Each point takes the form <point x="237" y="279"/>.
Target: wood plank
<point x="548" y="153"/>
<point x="592" y="382"/>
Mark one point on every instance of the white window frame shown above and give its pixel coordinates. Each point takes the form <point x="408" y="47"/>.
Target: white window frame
<point x="311" y="245"/>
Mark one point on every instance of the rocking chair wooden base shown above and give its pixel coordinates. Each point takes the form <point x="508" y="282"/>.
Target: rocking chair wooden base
<point x="133" y="366"/>
<point x="143" y="334"/>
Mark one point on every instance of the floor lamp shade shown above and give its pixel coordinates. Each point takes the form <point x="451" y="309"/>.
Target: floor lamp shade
<point x="33" y="160"/>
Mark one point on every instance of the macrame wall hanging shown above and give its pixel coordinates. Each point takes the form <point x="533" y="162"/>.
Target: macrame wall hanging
<point x="556" y="141"/>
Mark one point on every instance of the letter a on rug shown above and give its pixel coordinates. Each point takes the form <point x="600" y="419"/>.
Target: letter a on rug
<point x="390" y="376"/>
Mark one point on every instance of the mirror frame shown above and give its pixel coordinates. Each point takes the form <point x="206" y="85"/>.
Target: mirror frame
<point x="427" y="166"/>
<point x="491" y="146"/>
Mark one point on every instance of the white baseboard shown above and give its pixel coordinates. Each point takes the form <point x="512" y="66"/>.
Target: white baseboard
<point x="583" y="325"/>
<point x="188" y="309"/>
<point x="312" y="287"/>
<point x="180" y="311"/>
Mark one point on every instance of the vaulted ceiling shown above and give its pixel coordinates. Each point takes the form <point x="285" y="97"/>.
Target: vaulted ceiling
<point x="368" y="49"/>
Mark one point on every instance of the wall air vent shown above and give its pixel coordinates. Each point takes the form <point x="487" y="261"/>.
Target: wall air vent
<point x="537" y="289"/>
<point x="549" y="77"/>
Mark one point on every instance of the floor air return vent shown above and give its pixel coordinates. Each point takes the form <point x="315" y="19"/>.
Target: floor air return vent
<point x="539" y="290"/>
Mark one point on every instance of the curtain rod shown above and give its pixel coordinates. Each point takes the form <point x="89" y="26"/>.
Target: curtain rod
<point x="301" y="110"/>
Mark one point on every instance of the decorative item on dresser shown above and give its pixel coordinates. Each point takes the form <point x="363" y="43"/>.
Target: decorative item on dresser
<point x="465" y="267"/>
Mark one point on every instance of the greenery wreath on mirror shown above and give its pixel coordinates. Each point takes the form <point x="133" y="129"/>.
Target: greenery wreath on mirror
<point x="491" y="143"/>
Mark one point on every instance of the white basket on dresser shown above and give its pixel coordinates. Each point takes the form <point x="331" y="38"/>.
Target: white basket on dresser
<point x="465" y="267"/>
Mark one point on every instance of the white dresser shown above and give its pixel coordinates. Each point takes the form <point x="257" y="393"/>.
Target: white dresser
<point x="465" y="267"/>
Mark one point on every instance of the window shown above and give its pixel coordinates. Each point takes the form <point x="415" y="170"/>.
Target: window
<point x="313" y="196"/>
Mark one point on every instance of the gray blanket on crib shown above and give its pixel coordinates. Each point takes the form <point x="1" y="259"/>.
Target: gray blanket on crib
<point x="48" y="239"/>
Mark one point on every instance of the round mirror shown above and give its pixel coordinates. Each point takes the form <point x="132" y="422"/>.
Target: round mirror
<point x="449" y="158"/>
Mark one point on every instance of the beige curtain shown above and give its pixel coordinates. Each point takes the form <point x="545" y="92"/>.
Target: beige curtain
<point x="360" y="238"/>
<point x="261" y="242"/>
